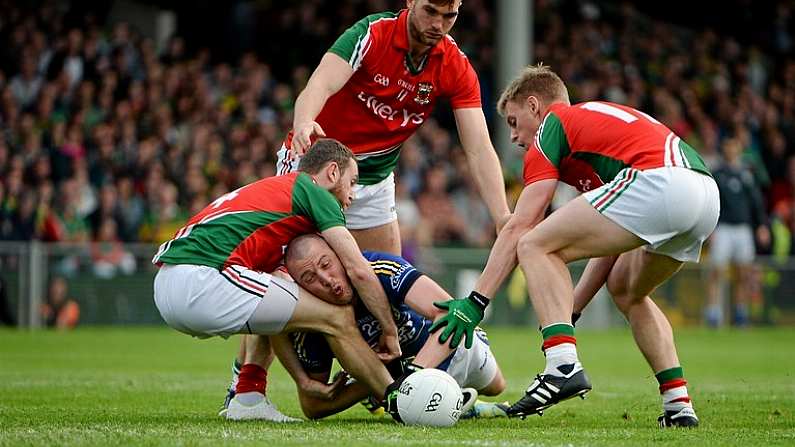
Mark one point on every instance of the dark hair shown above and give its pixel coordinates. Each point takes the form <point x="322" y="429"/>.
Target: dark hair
<point x="324" y="151"/>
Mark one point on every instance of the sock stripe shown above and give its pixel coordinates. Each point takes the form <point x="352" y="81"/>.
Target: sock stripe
<point x="671" y="384"/>
<point x="669" y="374"/>
<point x="685" y="400"/>
<point x="557" y="329"/>
<point x="558" y="340"/>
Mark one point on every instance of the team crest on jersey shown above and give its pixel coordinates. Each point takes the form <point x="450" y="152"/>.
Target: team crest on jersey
<point x="424" y="90"/>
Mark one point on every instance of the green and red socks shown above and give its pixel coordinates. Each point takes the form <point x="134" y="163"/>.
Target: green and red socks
<point x="560" y="349"/>
<point x="673" y="389"/>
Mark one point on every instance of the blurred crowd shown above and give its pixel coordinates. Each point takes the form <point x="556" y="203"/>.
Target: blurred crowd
<point x="107" y="139"/>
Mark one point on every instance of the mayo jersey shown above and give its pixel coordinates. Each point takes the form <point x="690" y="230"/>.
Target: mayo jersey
<point x="586" y="145"/>
<point x="251" y="225"/>
<point x="388" y="98"/>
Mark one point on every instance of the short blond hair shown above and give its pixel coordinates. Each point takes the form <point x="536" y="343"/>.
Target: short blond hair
<point x="534" y="80"/>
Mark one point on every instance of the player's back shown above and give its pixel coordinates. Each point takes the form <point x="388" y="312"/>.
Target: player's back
<point x="249" y="226"/>
<point x="588" y="144"/>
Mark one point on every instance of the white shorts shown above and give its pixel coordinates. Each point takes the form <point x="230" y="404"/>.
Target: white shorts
<point x="673" y="209"/>
<point x="372" y="206"/>
<point x="203" y="301"/>
<point x="475" y="367"/>
<point x="732" y="243"/>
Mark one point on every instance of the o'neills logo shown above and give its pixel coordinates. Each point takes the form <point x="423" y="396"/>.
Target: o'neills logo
<point x="424" y="90"/>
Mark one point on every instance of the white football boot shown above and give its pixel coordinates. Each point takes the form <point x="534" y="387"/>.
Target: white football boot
<point x="261" y="410"/>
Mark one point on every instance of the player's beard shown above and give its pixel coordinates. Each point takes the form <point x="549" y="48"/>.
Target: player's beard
<point x="418" y="35"/>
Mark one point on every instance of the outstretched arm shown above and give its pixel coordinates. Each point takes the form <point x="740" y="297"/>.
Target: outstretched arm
<point x="484" y="165"/>
<point x="463" y="315"/>
<point x="328" y="78"/>
<point x="592" y="279"/>
<point x="530" y="208"/>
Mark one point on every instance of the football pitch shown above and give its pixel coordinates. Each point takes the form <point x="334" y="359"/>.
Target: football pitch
<point x="154" y="386"/>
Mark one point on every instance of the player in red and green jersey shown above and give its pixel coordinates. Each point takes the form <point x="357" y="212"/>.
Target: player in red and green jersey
<point x="648" y="205"/>
<point x="374" y="87"/>
<point x="215" y="274"/>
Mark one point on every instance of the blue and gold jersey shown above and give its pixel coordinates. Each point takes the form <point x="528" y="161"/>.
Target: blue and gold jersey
<point x="396" y="276"/>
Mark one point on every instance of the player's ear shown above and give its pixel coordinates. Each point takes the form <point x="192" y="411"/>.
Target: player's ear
<point x="333" y="172"/>
<point x="533" y="104"/>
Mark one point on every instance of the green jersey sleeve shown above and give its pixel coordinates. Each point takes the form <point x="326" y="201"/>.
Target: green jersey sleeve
<point x="551" y="139"/>
<point x="316" y="203"/>
<point x="354" y="43"/>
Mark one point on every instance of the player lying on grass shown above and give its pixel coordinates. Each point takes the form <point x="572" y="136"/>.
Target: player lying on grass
<point x="648" y="204"/>
<point x="315" y="266"/>
<point x="212" y="278"/>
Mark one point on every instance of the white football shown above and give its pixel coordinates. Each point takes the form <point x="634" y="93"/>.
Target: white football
<point x="430" y="397"/>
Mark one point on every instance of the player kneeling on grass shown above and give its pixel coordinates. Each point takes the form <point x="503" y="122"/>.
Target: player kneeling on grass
<point x="212" y="278"/>
<point x="647" y="206"/>
<point x="307" y="356"/>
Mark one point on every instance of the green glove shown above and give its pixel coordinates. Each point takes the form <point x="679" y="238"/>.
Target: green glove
<point x="463" y="316"/>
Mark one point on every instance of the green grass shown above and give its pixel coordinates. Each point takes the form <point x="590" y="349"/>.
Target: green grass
<point x="154" y="386"/>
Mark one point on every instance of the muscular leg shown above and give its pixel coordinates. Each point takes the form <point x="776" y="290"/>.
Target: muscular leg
<point x="257" y="350"/>
<point x="634" y="276"/>
<point x="575" y="231"/>
<point x="384" y="238"/>
<point x="338" y="326"/>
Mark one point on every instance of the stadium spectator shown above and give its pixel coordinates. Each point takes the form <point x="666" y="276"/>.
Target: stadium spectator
<point x="108" y="255"/>
<point x="742" y="224"/>
<point x="98" y="93"/>
<point x="59" y="311"/>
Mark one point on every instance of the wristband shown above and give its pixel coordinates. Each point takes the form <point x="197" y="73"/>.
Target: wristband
<point x="481" y="301"/>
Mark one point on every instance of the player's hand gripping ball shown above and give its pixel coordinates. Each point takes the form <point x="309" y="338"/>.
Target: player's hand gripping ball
<point x="429" y="397"/>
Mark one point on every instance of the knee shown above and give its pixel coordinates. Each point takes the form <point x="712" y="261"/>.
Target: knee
<point x="496" y="387"/>
<point x="310" y="408"/>
<point x="528" y="247"/>
<point x="341" y="321"/>
<point x="621" y="294"/>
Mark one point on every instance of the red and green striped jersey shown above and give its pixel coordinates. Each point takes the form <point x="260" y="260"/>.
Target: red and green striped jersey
<point x="387" y="98"/>
<point x="251" y="225"/>
<point x="586" y="145"/>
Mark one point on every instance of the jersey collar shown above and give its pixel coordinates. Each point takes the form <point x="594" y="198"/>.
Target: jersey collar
<point x="400" y="39"/>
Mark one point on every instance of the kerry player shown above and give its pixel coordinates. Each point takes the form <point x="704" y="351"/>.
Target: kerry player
<point x="307" y="357"/>
<point x="213" y="281"/>
<point x="647" y="206"/>
<point x="373" y="88"/>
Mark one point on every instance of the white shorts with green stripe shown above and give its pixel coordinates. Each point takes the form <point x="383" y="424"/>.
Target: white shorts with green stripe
<point x="203" y="301"/>
<point x="674" y="209"/>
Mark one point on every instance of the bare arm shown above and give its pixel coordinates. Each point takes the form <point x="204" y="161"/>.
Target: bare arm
<point x="483" y="161"/>
<point x="348" y="396"/>
<point x="420" y="298"/>
<point x="530" y="208"/>
<point x="312" y="386"/>
<point x="328" y="78"/>
<point x="366" y="283"/>
<point x="592" y="279"/>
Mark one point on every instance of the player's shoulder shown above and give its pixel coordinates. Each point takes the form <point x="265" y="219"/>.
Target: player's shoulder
<point x="451" y="52"/>
<point x="379" y="21"/>
<point x="378" y="256"/>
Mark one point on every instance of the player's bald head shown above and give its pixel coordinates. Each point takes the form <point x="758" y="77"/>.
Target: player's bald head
<point x="534" y="80"/>
<point x="302" y="248"/>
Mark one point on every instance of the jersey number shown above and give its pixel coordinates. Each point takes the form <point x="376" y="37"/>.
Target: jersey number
<point x="615" y="112"/>
<point x="225" y="198"/>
